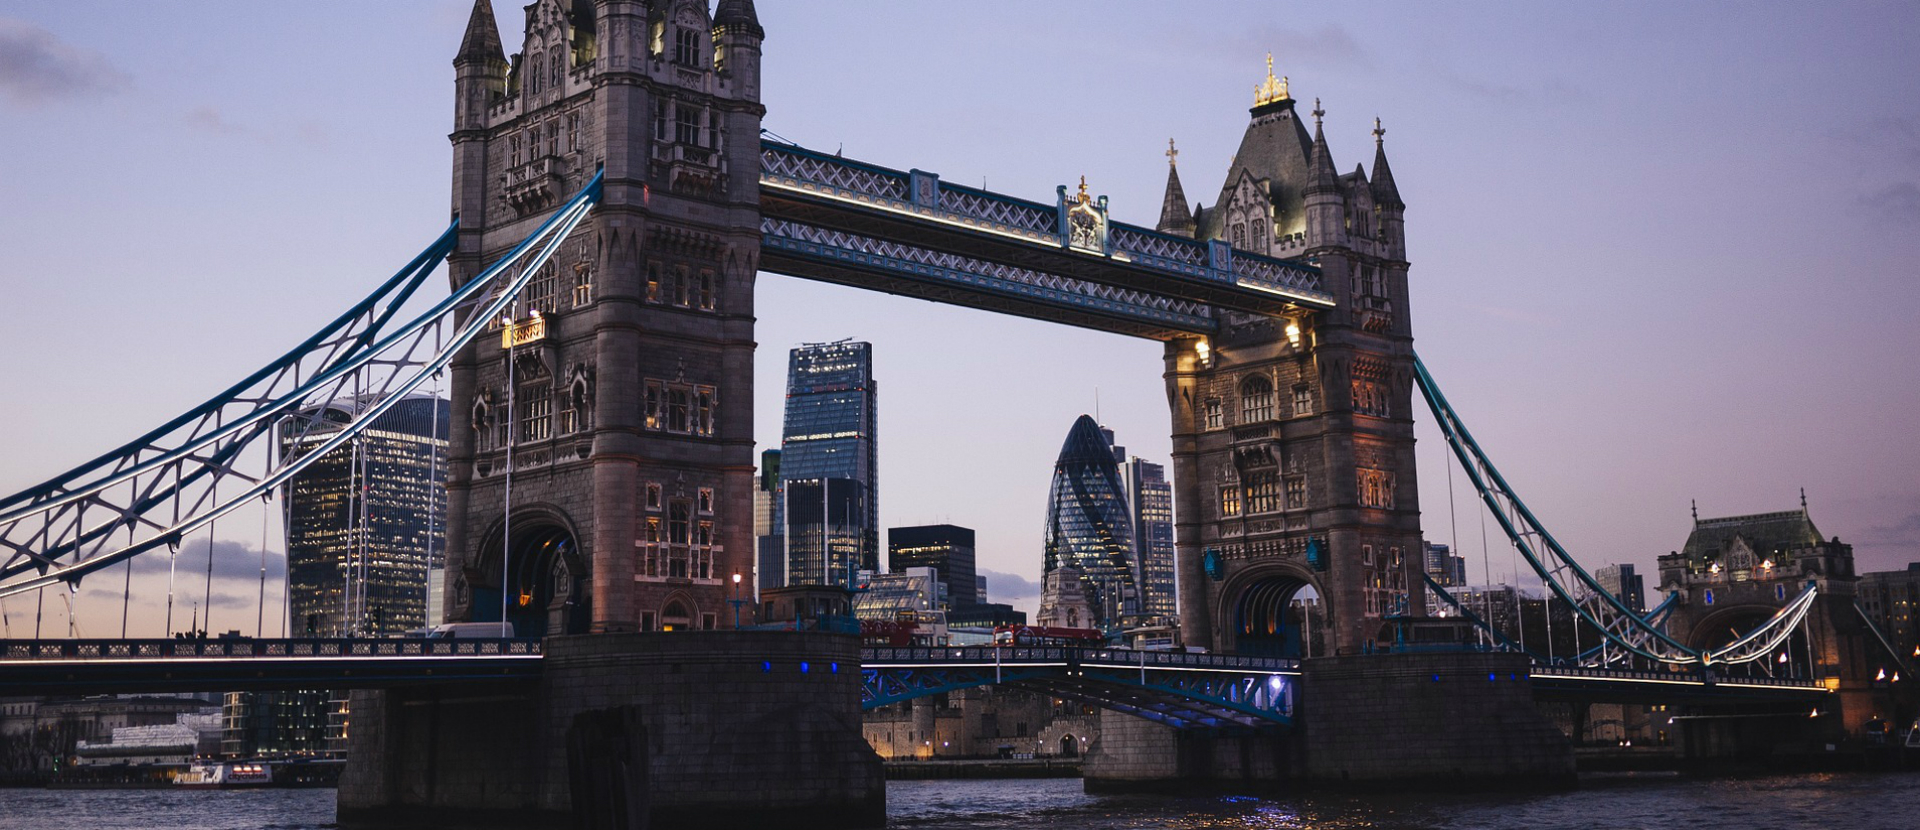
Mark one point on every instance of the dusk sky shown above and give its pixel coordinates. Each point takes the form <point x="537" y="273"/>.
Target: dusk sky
<point x="1661" y="252"/>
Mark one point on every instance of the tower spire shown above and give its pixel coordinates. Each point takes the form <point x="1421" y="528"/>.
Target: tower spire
<point x="482" y="40"/>
<point x="1321" y="176"/>
<point x="1175" y="217"/>
<point x="1385" y="193"/>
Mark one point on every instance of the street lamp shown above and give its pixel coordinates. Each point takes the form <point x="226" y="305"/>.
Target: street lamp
<point x="736" y="601"/>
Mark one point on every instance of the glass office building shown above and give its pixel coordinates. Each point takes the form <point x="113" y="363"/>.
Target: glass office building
<point x="948" y="549"/>
<point x="367" y="521"/>
<point x="1150" y="498"/>
<point x="829" y="464"/>
<point x="1089" y="526"/>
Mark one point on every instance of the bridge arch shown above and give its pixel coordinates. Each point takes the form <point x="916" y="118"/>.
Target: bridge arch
<point x="546" y="574"/>
<point x="1724" y="625"/>
<point x="1256" y="610"/>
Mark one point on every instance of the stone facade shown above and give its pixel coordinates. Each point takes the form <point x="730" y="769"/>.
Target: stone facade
<point x="629" y="416"/>
<point x="742" y="728"/>
<point x="1295" y="434"/>
<point x="983" y="722"/>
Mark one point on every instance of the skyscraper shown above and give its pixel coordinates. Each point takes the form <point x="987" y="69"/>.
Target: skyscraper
<point x="1623" y="583"/>
<point x="1150" y="500"/>
<point x="365" y="522"/>
<point x="1089" y="527"/>
<point x="829" y="464"/>
<point x="948" y="549"/>
<point x="769" y="526"/>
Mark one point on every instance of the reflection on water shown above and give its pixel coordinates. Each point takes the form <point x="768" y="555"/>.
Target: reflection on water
<point x="1852" y="802"/>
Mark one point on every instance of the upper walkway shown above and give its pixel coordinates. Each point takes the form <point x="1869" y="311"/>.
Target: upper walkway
<point x="835" y="219"/>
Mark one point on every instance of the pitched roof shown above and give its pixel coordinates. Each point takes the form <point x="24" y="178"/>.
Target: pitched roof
<point x="1384" y="191"/>
<point x="1321" y="177"/>
<point x="1273" y="149"/>
<point x="1767" y="533"/>
<point x="738" y="13"/>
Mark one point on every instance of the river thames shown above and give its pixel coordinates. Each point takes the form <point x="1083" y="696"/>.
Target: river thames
<point x="1850" y="801"/>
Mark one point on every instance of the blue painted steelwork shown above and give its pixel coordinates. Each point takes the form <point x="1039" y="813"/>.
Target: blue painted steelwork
<point x="45" y="534"/>
<point x="1182" y="267"/>
<point x="1188" y="691"/>
<point x="1622" y="626"/>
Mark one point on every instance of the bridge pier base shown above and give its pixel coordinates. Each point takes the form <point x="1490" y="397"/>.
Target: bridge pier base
<point x="743" y="728"/>
<point x="1135" y="755"/>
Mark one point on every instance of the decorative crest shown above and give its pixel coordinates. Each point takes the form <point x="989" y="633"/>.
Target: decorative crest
<point x="1083" y="198"/>
<point x="1272" y="90"/>
<point x="1171" y="154"/>
<point x="1379" y="132"/>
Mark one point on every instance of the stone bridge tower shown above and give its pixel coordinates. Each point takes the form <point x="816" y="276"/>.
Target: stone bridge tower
<point x="1293" y="437"/>
<point x="603" y="437"/>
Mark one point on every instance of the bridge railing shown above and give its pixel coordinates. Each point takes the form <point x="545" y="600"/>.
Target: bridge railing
<point x="1120" y="657"/>
<point x="167" y="649"/>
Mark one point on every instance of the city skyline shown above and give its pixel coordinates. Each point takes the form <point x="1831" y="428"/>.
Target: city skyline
<point x="1676" y="333"/>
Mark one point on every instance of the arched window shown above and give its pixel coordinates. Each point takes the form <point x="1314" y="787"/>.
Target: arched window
<point x="557" y="65"/>
<point x="535" y="63"/>
<point x="675" y="617"/>
<point x="1256" y="400"/>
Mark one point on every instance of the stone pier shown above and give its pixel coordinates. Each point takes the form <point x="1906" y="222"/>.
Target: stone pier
<point x="742" y="727"/>
<point x="1444" y="719"/>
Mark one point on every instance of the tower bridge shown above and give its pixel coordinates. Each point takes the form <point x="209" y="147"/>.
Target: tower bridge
<point x="613" y="201"/>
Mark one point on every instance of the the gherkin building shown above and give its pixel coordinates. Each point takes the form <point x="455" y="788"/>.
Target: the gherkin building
<point x="1088" y="525"/>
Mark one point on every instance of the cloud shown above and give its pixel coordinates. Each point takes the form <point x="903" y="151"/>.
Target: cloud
<point x="37" y="68"/>
<point x="1331" y="44"/>
<point x="1006" y="587"/>
<point x="1897" y="203"/>
<point x="1902" y="535"/>
<point x="210" y="120"/>
<point x="231" y="560"/>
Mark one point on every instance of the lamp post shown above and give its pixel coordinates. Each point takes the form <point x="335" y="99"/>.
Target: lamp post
<point x="736" y="601"/>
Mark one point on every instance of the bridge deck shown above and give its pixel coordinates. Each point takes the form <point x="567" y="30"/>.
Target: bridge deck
<point x="126" y="666"/>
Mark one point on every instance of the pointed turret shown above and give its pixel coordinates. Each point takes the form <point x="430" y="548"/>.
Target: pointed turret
<point x="1325" y="204"/>
<point x="738" y="13"/>
<point x="1262" y="193"/>
<point x="1174" y="215"/>
<point x="1384" y="191"/>
<point x="482" y="40"/>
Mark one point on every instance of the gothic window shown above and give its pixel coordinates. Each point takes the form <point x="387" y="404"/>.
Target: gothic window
<point x="686" y="47"/>
<point x="557" y="64"/>
<point x="704" y="501"/>
<point x="582" y="284"/>
<point x="534" y="64"/>
<point x="1366" y="554"/>
<point x="646" y="619"/>
<point x="713" y="129"/>
<point x="682" y="285"/>
<point x="653" y="495"/>
<point x="1296" y="492"/>
<point x="533" y="142"/>
<point x="676" y="410"/>
<point x="536" y="413"/>
<point x="686" y="125"/>
<point x="1229" y="501"/>
<point x="573" y="133"/>
<point x="1263" y="492"/>
<point x="656" y="393"/>
<point x="706" y="290"/>
<point x="1239" y="235"/>
<point x="1376" y="488"/>
<point x="513" y="142"/>
<point x="653" y="282"/>
<point x="1302" y="400"/>
<point x="659" y="120"/>
<point x="1370" y="398"/>
<point x="481" y="422"/>
<point x="653" y="529"/>
<point x="678" y="517"/>
<point x="1256" y="400"/>
<point x="707" y="619"/>
<point x="1214" y="417"/>
<point x="703" y="533"/>
<point x="539" y="292"/>
<point x="703" y="410"/>
<point x="553" y="138"/>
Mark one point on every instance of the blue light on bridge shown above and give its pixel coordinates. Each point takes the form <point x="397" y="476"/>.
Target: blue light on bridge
<point x="1436" y="678"/>
<point x="1491" y="677"/>
<point x="766" y="667"/>
<point x="833" y="668"/>
<point x="803" y="668"/>
<point x="1274" y="682"/>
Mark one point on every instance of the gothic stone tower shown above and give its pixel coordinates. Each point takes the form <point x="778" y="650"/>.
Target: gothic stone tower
<point x="1293" y="437"/>
<point x="627" y="405"/>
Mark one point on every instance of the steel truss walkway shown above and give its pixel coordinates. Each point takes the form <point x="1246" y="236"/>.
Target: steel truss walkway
<point x="838" y="220"/>
<point x="1185" y="691"/>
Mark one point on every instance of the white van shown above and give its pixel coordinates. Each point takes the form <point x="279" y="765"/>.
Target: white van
<point x="470" y="631"/>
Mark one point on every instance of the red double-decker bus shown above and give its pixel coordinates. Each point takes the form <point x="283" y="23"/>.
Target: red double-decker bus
<point x="1025" y="636"/>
